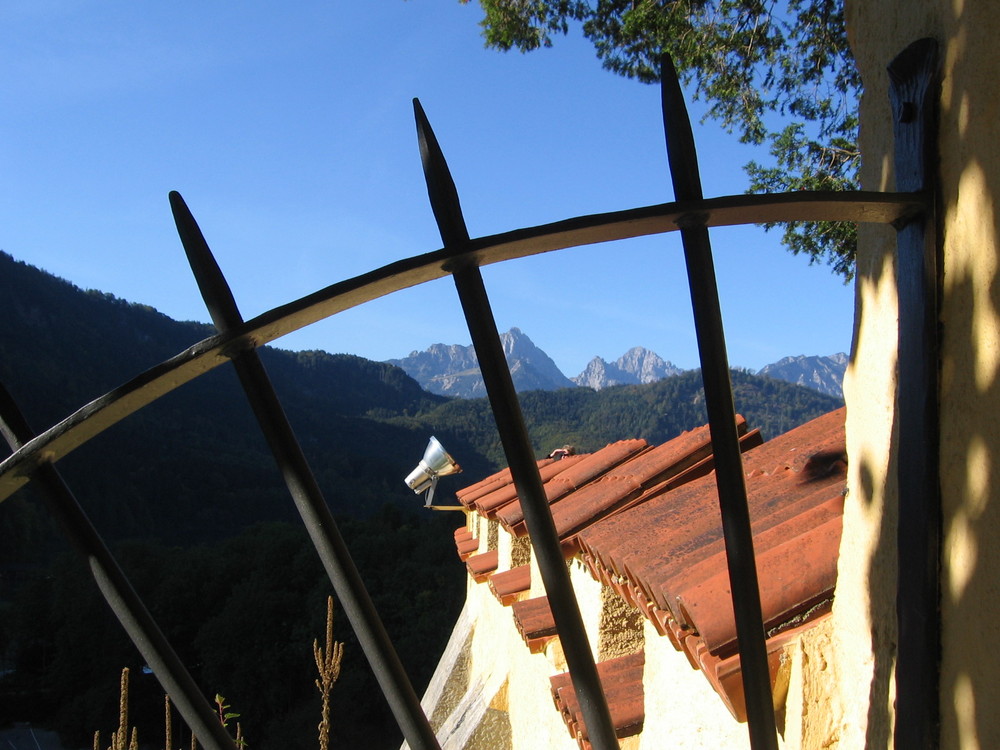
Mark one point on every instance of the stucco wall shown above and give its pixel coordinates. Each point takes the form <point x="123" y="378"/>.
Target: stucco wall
<point x="854" y="654"/>
<point x="490" y="691"/>
<point x="970" y="392"/>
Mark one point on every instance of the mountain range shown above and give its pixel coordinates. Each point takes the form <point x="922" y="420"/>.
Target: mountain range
<point x="453" y="369"/>
<point x="824" y="374"/>
<point x="194" y="467"/>
<point x="188" y="492"/>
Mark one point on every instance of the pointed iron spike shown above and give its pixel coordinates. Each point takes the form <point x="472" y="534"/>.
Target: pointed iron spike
<point x="440" y="186"/>
<point x="214" y="288"/>
<point x="681" y="153"/>
<point x="732" y="493"/>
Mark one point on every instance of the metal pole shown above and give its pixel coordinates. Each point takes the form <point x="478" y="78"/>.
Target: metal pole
<point x="116" y="589"/>
<point x="731" y="482"/>
<point x="516" y="444"/>
<point x="305" y="491"/>
<point x="912" y="90"/>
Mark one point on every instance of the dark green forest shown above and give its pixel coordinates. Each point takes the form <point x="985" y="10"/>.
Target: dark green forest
<point x="186" y="493"/>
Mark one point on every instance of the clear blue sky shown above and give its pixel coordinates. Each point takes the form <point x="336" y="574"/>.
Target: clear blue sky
<point x="288" y="128"/>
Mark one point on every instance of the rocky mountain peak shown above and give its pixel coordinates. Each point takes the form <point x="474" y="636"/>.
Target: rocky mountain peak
<point x="453" y="369"/>
<point x="824" y="374"/>
<point x="637" y="365"/>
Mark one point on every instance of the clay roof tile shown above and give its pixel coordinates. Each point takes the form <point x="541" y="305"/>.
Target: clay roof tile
<point x="577" y="475"/>
<point x="647" y="524"/>
<point x="621" y="679"/>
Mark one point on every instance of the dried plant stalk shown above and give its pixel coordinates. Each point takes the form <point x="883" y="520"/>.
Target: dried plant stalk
<point x="328" y="665"/>
<point x="119" y="739"/>
<point x="168" y="730"/>
<point x="123" y="711"/>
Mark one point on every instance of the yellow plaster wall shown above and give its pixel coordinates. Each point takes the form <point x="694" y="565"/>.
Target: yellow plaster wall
<point x="490" y="693"/>
<point x="683" y="712"/>
<point x="811" y="719"/>
<point x="864" y="632"/>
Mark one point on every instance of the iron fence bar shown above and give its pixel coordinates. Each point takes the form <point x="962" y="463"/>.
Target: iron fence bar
<point x="116" y="589"/>
<point x="305" y="491"/>
<point x="912" y="90"/>
<point x="730" y="479"/>
<point x="93" y="418"/>
<point x="918" y="596"/>
<point x="516" y="444"/>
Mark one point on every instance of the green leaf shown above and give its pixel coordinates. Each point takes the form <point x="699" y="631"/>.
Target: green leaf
<point x="749" y="60"/>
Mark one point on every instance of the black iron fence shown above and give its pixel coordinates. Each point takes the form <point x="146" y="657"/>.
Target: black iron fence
<point x="911" y="212"/>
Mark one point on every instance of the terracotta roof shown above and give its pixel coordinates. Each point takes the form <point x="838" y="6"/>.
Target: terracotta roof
<point x="646" y="522"/>
<point x="621" y="679"/>
<point x="465" y="543"/>
<point x="584" y="469"/>
<point x="493" y="501"/>
<point x="535" y="622"/>
<point x="481" y="566"/>
<point x="509" y="585"/>
<point x="667" y="555"/>
<point x="624" y="476"/>
<point x="673" y="464"/>
<point x="727" y="678"/>
<point x="468" y="495"/>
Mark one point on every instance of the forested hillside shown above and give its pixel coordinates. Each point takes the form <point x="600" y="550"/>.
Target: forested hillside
<point x="188" y="494"/>
<point x="589" y="420"/>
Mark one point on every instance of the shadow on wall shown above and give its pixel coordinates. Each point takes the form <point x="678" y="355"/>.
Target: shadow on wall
<point x="970" y="367"/>
<point x="970" y="392"/>
<point x="970" y="381"/>
<point x="881" y="577"/>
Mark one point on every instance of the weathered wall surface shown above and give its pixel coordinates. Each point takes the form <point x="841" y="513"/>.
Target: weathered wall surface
<point x="853" y="655"/>
<point x="490" y="691"/>
<point x="970" y="391"/>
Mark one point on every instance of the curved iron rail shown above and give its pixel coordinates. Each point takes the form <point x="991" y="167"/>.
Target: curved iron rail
<point x="912" y="73"/>
<point x="114" y="406"/>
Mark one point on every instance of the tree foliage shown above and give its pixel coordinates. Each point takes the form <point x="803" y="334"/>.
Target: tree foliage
<point x="657" y="412"/>
<point x="775" y="72"/>
<point x="242" y="614"/>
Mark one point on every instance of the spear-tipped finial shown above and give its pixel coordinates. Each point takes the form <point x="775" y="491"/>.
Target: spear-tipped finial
<point x="212" y="284"/>
<point x="440" y="186"/>
<point x="681" y="153"/>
